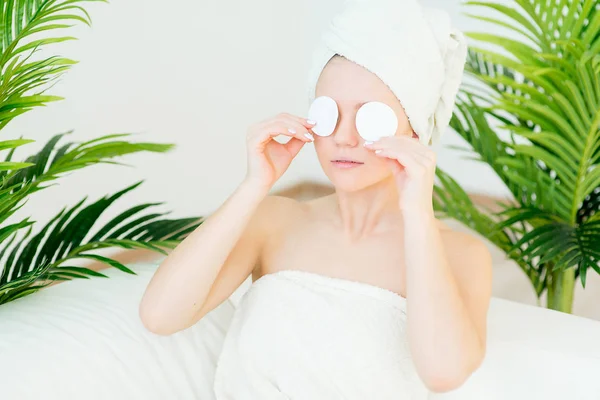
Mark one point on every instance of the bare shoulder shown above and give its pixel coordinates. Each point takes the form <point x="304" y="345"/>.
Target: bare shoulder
<point x="461" y="243"/>
<point x="275" y="215"/>
<point x="275" y="212"/>
<point x="281" y="206"/>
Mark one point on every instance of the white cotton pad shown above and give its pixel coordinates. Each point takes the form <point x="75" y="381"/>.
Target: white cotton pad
<point x="324" y="112"/>
<point x="375" y="120"/>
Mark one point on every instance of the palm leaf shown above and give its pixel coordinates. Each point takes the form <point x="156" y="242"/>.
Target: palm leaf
<point x="65" y="238"/>
<point x="21" y="23"/>
<point x="49" y="164"/>
<point x="30" y="262"/>
<point x="545" y="92"/>
<point x="451" y="201"/>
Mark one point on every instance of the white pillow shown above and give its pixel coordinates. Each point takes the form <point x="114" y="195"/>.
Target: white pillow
<point x="535" y="353"/>
<point x="83" y="339"/>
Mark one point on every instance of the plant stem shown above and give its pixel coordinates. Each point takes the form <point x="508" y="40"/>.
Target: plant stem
<point x="560" y="290"/>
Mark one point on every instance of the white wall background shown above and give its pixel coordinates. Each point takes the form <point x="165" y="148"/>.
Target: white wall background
<point x="196" y="74"/>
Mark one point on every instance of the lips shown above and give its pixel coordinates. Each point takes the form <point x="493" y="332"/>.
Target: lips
<point x="346" y="160"/>
<point x="346" y="163"/>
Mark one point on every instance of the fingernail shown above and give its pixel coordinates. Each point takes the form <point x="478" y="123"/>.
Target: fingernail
<point x="378" y="151"/>
<point x="367" y="143"/>
<point x="291" y="130"/>
<point x="310" y="121"/>
<point x="308" y="135"/>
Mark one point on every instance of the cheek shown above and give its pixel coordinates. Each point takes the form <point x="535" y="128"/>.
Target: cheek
<point x="378" y="166"/>
<point x="318" y="145"/>
<point x="324" y="144"/>
<point x="322" y="148"/>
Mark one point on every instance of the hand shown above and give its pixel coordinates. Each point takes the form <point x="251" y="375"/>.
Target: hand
<point x="413" y="165"/>
<point x="269" y="159"/>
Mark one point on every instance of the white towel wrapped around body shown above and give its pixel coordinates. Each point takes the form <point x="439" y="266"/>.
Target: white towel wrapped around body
<point x="413" y="49"/>
<point x="302" y="335"/>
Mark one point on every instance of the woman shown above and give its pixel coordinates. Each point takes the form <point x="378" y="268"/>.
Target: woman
<point x="360" y="294"/>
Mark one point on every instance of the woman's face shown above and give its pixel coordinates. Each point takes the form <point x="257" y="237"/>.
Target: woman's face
<point x="351" y="85"/>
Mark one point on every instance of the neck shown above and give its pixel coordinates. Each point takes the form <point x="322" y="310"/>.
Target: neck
<point x="371" y="210"/>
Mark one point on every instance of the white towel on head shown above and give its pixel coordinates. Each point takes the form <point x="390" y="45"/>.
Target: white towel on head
<point x="413" y="49"/>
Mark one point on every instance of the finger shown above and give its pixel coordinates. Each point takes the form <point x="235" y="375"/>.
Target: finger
<point x="303" y="131"/>
<point x="407" y="159"/>
<point x="298" y="124"/>
<point x="397" y="141"/>
<point x="265" y="133"/>
<point x="404" y="156"/>
<point x="293" y="146"/>
<point x="308" y="124"/>
<point x="403" y="144"/>
<point x="394" y="165"/>
<point x="295" y="128"/>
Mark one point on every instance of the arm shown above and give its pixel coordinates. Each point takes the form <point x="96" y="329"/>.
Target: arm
<point x="220" y="254"/>
<point x="449" y="299"/>
<point x="448" y="296"/>
<point x="227" y="244"/>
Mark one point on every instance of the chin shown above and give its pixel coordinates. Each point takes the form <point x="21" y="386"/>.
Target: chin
<point x="352" y="182"/>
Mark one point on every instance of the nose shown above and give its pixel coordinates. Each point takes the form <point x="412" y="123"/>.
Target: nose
<point x="346" y="134"/>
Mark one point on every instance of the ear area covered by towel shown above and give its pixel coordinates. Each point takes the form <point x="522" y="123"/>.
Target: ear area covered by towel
<point x="453" y="45"/>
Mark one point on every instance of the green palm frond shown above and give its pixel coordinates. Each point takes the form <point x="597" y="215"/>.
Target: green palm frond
<point x="24" y="29"/>
<point x="51" y="163"/>
<point x="451" y="201"/>
<point x="11" y="145"/>
<point x="553" y="240"/>
<point x="543" y="92"/>
<point x="28" y="261"/>
<point x="522" y="175"/>
<point x="71" y="235"/>
<point x="590" y="208"/>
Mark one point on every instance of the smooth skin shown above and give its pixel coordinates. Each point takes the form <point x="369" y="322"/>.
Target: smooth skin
<point x="378" y="228"/>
